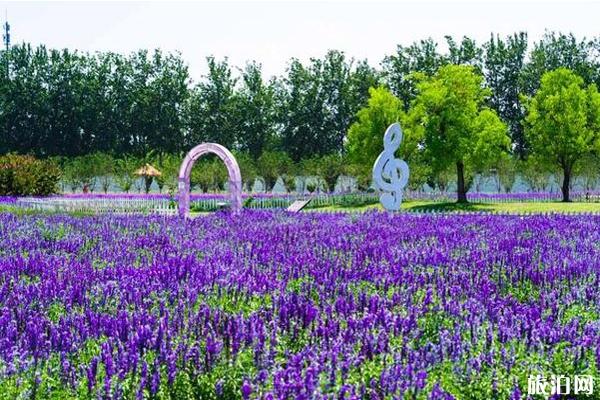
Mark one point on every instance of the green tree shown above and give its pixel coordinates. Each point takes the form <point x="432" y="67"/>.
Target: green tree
<point x="398" y="69"/>
<point x="318" y="102"/>
<point x="247" y="169"/>
<point x="24" y="108"/>
<point x="556" y="50"/>
<point x="125" y="172"/>
<point x="210" y="112"/>
<point x="589" y="171"/>
<point x="464" y="53"/>
<point x="563" y="122"/>
<point x="365" y="136"/>
<point x="105" y="168"/>
<point x="503" y="69"/>
<point x="82" y="172"/>
<point x="168" y="164"/>
<point x="506" y="173"/>
<point x="209" y="174"/>
<point x="457" y="128"/>
<point x="328" y="168"/>
<point x="535" y="172"/>
<point x="254" y="112"/>
<point x="271" y="165"/>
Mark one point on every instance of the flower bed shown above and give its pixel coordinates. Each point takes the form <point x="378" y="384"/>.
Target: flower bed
<point x="278" y="305"/>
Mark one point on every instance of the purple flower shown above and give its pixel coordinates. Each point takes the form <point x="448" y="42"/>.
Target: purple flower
<point x="246" y="390"/>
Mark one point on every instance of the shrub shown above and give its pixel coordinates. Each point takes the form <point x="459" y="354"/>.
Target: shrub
<point x="27" y="176"/>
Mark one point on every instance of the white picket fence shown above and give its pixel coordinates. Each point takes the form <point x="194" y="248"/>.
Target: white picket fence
<point x="100" y="205"/>
<point x="166" y="206"/>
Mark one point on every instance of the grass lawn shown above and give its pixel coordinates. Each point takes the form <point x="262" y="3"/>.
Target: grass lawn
<point x="418" y="206"/>
<point x="526" y="207"/>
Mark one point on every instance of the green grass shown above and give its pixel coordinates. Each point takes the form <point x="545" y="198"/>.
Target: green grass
<point x="410" y="205"/>
<point x="526" y="207"/>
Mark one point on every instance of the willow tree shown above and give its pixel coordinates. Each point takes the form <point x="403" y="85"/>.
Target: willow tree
<point x="458" y="129"/>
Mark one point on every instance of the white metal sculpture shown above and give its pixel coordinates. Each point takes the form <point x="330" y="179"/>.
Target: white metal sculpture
<point x="390" y="174"/>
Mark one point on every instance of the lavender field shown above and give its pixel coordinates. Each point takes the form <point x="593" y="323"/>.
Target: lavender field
<point x="274" y="305"/>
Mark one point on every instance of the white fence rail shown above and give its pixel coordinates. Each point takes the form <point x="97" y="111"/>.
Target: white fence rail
<point x="99" y="205"/>
<point x="166" y="206"/>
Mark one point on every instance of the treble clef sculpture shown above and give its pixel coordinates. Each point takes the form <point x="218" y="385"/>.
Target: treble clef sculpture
<point x="390" y="174"/>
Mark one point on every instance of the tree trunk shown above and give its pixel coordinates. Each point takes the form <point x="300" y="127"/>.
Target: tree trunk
<point x="566" y="184"/>
<point x="460" y="187"/>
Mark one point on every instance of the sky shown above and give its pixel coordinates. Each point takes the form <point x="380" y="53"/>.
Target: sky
<point x="273" y="32"/>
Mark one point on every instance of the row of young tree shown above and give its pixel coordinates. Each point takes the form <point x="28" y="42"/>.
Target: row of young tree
<point x="103" y="172"/>
<point x="457" y="107"/>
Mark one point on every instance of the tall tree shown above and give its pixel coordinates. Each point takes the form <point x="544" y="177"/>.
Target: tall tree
<point x="365" y="136"/>
<point x="464" y="53"/>
<point x="557" y="50"/>
<point x="318" y="102"/>
<point x="301" y="111"/>
<point x="457" y="128"/>
<point x="168" y="96"/>
<point x="422" y="56"/>
<point x="210" y="109"/>
<point x="503" y="67"/>
<point x="158" y="93"/>
<point x="563" y="122"/>
<point x="66" y="85"/>
<point x="24" y="100"/>
<point x="254" y="112"/>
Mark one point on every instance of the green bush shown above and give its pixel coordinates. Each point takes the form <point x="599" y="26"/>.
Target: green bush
<point x="27" y="176"/>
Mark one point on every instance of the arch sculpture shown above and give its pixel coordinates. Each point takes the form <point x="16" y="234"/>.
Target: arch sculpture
<point x="233" y="169"/>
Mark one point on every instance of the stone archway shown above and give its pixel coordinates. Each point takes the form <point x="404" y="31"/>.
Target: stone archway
<point x="235" y="178"/>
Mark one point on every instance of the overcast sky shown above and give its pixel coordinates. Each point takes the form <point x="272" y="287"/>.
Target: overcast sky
<point x="273" y="32"/>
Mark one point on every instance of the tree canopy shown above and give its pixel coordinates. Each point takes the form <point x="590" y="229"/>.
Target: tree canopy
<point x="67" y="103"/>
<point x="563" y="122"/>
<point x="458" y="129"/>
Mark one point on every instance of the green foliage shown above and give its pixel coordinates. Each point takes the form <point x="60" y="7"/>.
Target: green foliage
<point x="457" y="128"/>
<point x="442" y="179"/>
<point x="254" y="112"/>
<point x="311" y="187"/>
<point x="104" y="168"/>
<point x="168" y="165"/>
<point x="589" y="171"/>
<point x="27" y="176"/>
<point x="422" y="57"/>
<point x="289" y="181"/>
<point x="61" y="102"/>
<point x="558" y="50"/>
<point x="362" y="174"/>
<point x="563" y="122"/>
<point x="271" y="165"/>
<point x="210" y="107"/>
<point x="535" y="172"/>
<point x="365" y="136"/>
<point x="248" y="169"/>
<point x="84" y="171"/>
<point x="317" y="102"/>
<point x="209" y="174"/>
<point x="125" y="172"/>
<point x="505" y="173"/>
<point x="328" y="168"/>
<point x="66" y="103"/>
<point x="504" y="62"/>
